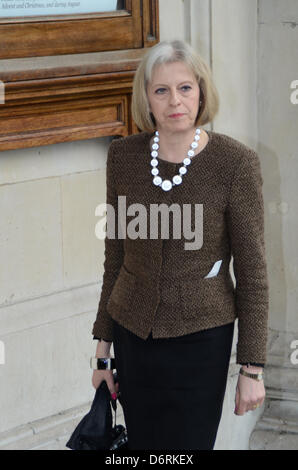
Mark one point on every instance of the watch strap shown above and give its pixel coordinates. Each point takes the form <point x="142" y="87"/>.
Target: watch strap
<point x="258" y="377"/>
<point x="103" y="363"/>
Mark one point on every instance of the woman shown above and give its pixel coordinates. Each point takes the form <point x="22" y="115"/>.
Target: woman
<point x="167" y="305"/>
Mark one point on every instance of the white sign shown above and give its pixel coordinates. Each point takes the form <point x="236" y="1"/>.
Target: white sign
<point x="19" y="8"/>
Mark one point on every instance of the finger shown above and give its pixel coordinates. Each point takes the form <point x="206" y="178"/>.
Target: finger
<point x="253" y="406"/>
<point x="240" y="412"/>
<point x="242" y="408"/>
<point x="258" y="404"/>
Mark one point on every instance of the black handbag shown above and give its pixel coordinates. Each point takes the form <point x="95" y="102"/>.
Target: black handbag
<point x="96" y="431"/>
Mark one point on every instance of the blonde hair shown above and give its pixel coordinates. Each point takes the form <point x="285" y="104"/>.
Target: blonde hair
<point x="169" y="52"/>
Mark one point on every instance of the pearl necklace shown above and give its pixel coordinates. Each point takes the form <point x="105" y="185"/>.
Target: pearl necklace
<point x="166" y="185"/>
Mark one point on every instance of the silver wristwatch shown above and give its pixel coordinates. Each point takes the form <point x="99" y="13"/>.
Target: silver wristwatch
<point x="102" y="363"/>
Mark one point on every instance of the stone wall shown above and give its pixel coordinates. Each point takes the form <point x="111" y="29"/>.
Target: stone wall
<point x="52" y="263"/>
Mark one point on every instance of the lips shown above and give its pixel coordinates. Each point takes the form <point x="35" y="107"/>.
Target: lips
<point x="176" y="115"/>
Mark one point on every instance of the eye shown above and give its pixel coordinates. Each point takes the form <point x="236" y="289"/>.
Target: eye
<point x="186" y="88"/>
<point x="160" y="91"/>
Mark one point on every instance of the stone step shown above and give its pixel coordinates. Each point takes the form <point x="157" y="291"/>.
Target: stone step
<point x="278" y="427"/>
<point x="262" y="439"/>
<point x="50" y="433"/>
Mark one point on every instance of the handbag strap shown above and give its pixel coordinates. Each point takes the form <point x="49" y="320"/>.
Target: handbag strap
<point x="114" y="406"/>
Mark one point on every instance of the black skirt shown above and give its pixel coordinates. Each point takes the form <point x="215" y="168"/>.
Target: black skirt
<point x="173" y="388"/>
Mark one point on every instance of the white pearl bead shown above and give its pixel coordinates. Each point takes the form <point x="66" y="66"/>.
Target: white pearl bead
<point x="155" y="146"/>
<point x="190" y="153"/>
<point x="154" y="171"/>
<point x="157" y="180"/>
<point x="197" y="137"/>
<point x="154" y="154"/>
<point x="156" y="139"/>
<point x="182" y="170"/>
<point x="186" y="161"/>
<point x="166" y="185"/>
<point x="177" y="179"/>
<point x="194" y="145"/>
<point x="154" y="162"/>
<point x="198" y="131"/>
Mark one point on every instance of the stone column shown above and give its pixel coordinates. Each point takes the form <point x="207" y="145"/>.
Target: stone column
<point x="277" y="129"/>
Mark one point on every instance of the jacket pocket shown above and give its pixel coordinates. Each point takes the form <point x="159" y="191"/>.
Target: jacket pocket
<point x="206" y="296"/>
<point x="123" y="289"/>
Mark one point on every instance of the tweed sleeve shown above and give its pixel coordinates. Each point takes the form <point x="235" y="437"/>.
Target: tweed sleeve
<point x="113" y="256"/>
<point x="245" y="219"/>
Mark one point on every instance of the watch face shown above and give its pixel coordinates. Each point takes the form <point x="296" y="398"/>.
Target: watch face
<point x="102" y="363"/>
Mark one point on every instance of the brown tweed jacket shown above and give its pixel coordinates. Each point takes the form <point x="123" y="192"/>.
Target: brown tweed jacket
<point x="155" y="284"/>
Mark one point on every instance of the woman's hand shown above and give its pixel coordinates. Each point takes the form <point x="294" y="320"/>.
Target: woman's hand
<point x="249" y="393"/>
<point x="103" y="350"/>
<point x="107" y="375"/>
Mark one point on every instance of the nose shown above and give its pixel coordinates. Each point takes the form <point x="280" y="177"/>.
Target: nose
<point x="174" y="98"/>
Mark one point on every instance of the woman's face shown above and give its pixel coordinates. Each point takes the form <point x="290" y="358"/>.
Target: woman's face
<point x="173" y="95"/>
